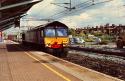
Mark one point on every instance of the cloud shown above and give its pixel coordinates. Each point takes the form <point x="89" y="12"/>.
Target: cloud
<point x="110" y="12"/>
<point x="43" y="9"/>
<point x="73" y="21"/>
<point x="84" y="16"/>
<point x="113" y="8"/>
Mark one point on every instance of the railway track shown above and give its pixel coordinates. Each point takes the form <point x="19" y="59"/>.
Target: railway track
<point x="108" y="64"/>
<point x="115" y="51"/>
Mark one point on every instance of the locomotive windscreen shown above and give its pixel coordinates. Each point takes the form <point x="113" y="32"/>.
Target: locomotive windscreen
<point x="52" y="32"/>
<point x="61" y="32"/>
<point x="49" y="32"/>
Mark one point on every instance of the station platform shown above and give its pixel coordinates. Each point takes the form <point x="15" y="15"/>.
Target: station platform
<point x="20" y="64"/>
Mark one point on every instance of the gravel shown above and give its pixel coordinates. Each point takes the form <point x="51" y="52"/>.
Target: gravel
<point x="108" y="64"/>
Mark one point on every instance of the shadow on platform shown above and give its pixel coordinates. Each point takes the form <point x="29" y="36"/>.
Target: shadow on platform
<point x="20" y="47"/>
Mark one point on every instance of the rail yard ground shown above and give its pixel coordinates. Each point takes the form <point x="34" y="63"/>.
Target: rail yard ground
<point x="98" y="57"/>
<point x="108" y="64"/>
<point x="18" y="63"/>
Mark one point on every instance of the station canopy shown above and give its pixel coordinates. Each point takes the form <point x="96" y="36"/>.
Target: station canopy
<point x="11" y="10"/>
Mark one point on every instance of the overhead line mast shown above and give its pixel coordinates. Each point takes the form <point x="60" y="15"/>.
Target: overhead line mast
<point x="70" y="5"/>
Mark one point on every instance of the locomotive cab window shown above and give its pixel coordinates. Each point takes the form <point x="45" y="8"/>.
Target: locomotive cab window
<point x="50" y="32"/>
<point x="61" y="32"/>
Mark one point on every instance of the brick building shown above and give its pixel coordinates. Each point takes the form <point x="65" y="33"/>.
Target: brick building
<point x="106" y="29"/>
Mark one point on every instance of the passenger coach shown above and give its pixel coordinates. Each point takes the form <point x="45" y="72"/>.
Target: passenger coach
<point x="52" y="37"/>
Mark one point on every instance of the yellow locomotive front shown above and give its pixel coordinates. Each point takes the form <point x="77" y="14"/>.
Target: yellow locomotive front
<point x="56" y="39"/>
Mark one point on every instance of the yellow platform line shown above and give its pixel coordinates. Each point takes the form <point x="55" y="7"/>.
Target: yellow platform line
<point x="51" y="69"/>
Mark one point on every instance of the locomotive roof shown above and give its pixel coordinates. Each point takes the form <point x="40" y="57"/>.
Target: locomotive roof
<point x="54" y="23"/>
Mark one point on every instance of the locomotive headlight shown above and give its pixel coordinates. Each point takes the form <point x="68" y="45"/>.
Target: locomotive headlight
<point x="48" y="44"/>
<point x="64" y="44"/>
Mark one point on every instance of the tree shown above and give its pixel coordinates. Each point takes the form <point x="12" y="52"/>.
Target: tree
<point x="72" y="32"/>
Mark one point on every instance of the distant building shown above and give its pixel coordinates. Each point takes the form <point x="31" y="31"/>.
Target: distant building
<point x="106" y="29"/>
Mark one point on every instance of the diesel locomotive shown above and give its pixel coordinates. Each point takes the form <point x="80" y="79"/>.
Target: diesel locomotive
<point x="52" y="37"/>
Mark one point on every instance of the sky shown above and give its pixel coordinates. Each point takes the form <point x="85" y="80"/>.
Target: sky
<point x="112" y="12"/>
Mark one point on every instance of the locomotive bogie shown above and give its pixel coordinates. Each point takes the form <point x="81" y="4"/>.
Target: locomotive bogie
<point x="59" y="52"/>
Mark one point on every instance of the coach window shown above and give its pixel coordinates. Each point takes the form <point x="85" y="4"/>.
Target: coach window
<point x="49" y="32"/>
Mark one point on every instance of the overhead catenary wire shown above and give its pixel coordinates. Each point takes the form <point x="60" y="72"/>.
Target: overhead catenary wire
<point x="78" y="7"/>
<point x="89" y="5"/>
<point x="64" y="12"/>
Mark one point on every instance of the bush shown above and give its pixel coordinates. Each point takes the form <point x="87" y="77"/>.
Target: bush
<point x="89" y="40"/>
<point x="107" y="38"/>
<point x="98" y="34"/>
<point x="104" y="42"/>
